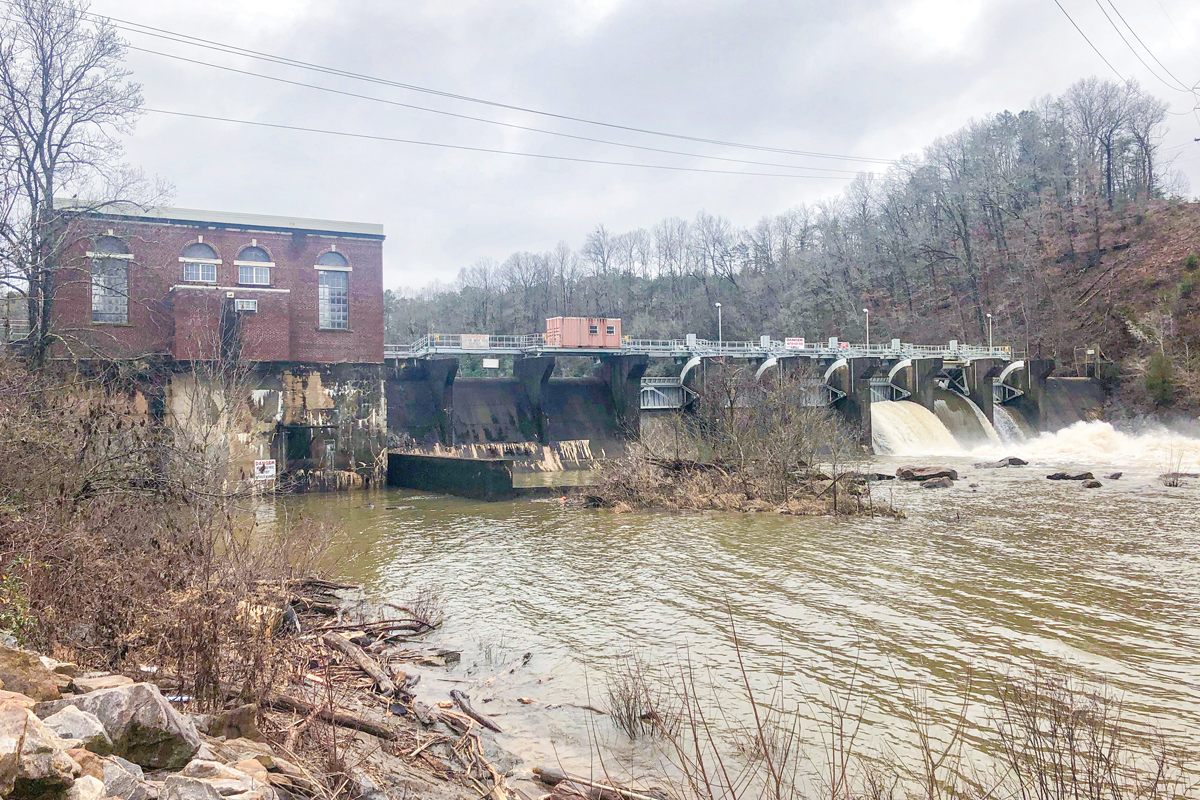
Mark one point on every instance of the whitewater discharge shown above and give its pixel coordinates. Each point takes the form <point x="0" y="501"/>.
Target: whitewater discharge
<point x="903" y="428"/>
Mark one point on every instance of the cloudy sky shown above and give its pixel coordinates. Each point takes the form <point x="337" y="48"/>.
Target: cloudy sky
<point x="873" y="79"/>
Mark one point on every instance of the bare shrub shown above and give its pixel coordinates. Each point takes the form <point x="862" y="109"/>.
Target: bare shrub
<point x="636" y="698"/>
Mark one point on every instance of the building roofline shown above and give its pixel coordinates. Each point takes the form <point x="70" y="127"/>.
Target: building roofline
<point x="219" y="219"/>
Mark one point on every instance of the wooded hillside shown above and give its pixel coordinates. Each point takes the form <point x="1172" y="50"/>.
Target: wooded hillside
<point x="1063" y="221"/>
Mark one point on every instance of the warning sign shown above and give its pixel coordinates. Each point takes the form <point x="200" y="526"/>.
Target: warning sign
<point x="264" y="470"/>
<point x="794" y="343"/>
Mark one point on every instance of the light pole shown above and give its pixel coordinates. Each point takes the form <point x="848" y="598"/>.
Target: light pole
<point x="989" y="316"/>
<point x="720" y="332"/>
<point x="867" y="312"/>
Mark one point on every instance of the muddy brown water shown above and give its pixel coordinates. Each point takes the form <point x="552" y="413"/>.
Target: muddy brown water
<point x="1016" y="574"/>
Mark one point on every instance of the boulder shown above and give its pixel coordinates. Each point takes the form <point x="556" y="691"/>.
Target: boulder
<point x="937" y="483"/>
<point x="1009" y="461"/>
<point x="32" y="757"/>
<point x="25" y="701"/>
<point x="181" y="787"/>
<point x="909" y="473"/>
<point x="237" y="723"/>
<point x="124" y="779"/>
<point x="89" y="763"/>
<point x="71" y="723"/>
<point x="1116" y="476"/>
<point x="86" y="788"/>
<point x="25" y="673"/>
<point x="1071" y="476"/>
<point x="142" y="725"/>
<point x="94" y="683"/>
<point x="1092" y="484"/>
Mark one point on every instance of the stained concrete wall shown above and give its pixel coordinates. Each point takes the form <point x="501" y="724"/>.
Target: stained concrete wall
<point x="325" y="426"/>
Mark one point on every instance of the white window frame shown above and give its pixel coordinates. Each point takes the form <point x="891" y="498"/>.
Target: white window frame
<point x="325" y="306"/>
<point x="255" y="266"/>
<point x="124" y="307"/>
<point x="610" y="330"/>
<point x="201" y="263"/>
<point x="593" y="330"/>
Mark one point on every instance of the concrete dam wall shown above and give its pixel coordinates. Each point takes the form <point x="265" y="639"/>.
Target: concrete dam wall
<point x="430" y="407"/>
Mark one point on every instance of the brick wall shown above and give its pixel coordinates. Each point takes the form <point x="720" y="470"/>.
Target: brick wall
<point x="165" y="317"/>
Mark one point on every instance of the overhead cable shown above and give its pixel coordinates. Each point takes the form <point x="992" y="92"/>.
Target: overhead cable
<point x="135" y="27"/>
<point x="378" y="138"/>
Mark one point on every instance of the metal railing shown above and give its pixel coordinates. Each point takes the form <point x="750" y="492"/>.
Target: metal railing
<point x="13" y="330"/>
<point x="535" y="344"/>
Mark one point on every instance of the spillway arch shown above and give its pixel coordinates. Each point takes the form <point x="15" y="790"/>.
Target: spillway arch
<point x="766" y="365"/>
<point x="692" y="363"/>
<point x="841" y="363"/>
<point x="1015" y="366"/>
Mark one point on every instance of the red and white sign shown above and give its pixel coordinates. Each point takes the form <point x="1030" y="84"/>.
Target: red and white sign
<point x="794" y="343"/>
<point x="264" y="470"/>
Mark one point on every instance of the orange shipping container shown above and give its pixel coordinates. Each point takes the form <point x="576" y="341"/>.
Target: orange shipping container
<point x="583" y="332"/>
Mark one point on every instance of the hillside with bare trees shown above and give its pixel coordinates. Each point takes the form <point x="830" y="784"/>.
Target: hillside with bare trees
<point x="1064" y="222"/>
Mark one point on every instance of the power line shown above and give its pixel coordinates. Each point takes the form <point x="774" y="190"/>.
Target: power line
<point x="574" y="159"/>
<point x="481" y="119"/>
<point x="1089" y="41"/>
<point x="148" y="30"/>
<point x="1133" y="50"/>
<point x="1186" y="88"/>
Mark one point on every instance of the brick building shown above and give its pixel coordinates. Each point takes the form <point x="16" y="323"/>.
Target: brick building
<point x="298" y="302"/>
<point x="180" y="282"/>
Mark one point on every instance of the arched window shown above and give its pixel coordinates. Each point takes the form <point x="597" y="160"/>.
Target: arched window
<point x="333" y="291"/>
<point x="199" y="263"/>
<point x="254" y="267"/>
<point x="332" y="259"/>
<point x="110" y="281"/>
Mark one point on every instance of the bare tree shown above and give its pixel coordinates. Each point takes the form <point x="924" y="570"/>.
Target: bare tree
<point x="65" y="97"/>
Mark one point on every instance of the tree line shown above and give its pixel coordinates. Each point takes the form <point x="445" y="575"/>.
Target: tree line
<point x="931" y="246"/>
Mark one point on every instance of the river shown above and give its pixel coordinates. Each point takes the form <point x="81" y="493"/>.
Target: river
<point x="1003" y="573"/>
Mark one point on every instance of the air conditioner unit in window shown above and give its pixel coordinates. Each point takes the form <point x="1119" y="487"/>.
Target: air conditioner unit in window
<point x="249" y="306"/>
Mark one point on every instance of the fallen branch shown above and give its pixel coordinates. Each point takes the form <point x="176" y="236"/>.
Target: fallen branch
<point x="339" y="718"/>
<point x="463" y="700"/>
<point x="362" y="660"/>
<point x="552" y="778"/>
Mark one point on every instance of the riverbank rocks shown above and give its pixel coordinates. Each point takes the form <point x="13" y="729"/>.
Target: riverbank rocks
<point x="142" y="725"/>
<point x="1071" y="476"/>
<point x="937" y="483"/>
<point x="33" y="761"/>
<point x="87" y="729"/>
<point x="1010" y="461"/>
<point x="1092" y="484"/>
<point x="96" y="683"/>
<point x="910" y="473"/>
<point x="24" y="672"/>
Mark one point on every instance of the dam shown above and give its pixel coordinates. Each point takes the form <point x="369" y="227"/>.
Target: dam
<point x="899" y="397"/>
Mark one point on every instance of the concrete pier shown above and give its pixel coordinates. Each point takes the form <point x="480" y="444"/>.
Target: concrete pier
<point x="978" y="375"/>
<point x="534" y="374"/>
<point x="623" y="375"/>
<point x="918" y="380"/>
<point x="855" y="381"/>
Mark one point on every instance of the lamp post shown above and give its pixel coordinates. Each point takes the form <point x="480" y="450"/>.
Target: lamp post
<point x="720" y="332"/>
<point x="867" y="312"/>
<point x="989" y="317"/>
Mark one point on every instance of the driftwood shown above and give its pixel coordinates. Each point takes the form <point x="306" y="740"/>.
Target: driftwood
<point x="552" y="778"/>
<point x="340" y="718"/>
<point x="463" y="700"/>
<point x="361" y="660"/>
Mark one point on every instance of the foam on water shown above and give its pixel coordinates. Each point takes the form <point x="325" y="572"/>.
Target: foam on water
<point x="1088" y="443"/>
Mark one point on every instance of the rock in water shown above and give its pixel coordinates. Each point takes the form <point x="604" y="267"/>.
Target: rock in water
<point x="40" y="767"/>
<point x="937" y="483"/>
<point x="1071" y="476"/>
<point x="142" y="725"/>
<point x="1116" y="476"/>
<point x="71" y="723"/>
<point x="1009" y="461"/>
<point x="1092" y="484"/>
<point x="910" y="473"/>
<point x="25" y="673"/>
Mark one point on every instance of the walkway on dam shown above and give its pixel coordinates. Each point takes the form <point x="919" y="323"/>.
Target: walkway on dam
<point x="534" y="344"/>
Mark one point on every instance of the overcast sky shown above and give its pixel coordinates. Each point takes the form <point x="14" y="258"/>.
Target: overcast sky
<point x="866" y="78"/>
